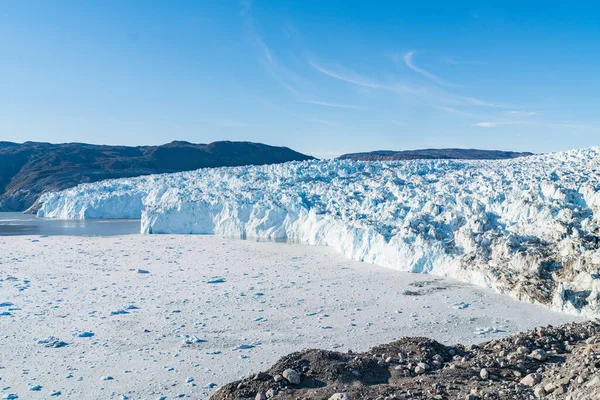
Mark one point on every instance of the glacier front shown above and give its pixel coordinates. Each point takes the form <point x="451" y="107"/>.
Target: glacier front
<point x="529" y="227"/>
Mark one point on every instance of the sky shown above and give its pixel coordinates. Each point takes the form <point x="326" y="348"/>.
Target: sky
<point x="323" y="77"/>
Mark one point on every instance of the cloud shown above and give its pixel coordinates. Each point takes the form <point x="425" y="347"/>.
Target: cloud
<point x="278" y="71"/>
<point x="409" y="61"/>
<point x="348" y="77"/>
<point x="431" y="96"/>
<point x="322" y="121"/>
<point x="522" y="113"/>
<point x="335" y="105"/>
<point x="494" y="124"/>
<point x="487" y="124"/>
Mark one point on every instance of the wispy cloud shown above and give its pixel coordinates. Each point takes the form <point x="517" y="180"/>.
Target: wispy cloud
<point x="487" y="124"/>
<point x="410" y="63"/>
<point x="494" y="124"/>
<point x="349" y="77"/>
<point x="432" y="96"/>
<point x="286" y="78"/>
<point x="335" y="105"/>
<point x="322" y="121"/>
<point x="522" y="113"/>
<point x="246" y="7"/>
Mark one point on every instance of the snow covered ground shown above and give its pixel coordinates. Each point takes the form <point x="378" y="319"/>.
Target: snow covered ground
<point x="529" y="227"/>
<point x="151" y="317"/>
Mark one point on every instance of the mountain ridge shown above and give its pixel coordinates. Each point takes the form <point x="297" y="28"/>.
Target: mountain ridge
<point x="431" y="153"/>
<point x="29" y="169"/>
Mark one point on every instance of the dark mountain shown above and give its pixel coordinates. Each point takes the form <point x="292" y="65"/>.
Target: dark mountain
<point x="27" y="170"/>
<point x="430" y="154"/>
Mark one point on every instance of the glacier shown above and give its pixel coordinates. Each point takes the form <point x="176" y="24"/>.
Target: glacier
<point x="528" y="227"/>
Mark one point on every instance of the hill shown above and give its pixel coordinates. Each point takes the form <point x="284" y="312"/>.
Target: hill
<point x="426" y="154"/>
<point x="30" y="169"/>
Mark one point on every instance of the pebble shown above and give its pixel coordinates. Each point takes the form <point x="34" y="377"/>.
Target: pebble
<point x="531" y="380"/>
<point x="484" y="374"/>
<point x="539" y="355"/>
<point x="539" y="392"/>
<point x="340" y="396"/>
<point x="292" y="376"/>
<point x="419" y="370"/>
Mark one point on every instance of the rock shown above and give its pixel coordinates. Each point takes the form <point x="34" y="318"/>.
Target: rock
<point x="561" y="389"/>
<point x="549" y="388"/>
<point x="260" y="396"/>
<point x="424" y="366"/>
<point x="278" y="378"/>
<point x="107" y="378"/>
<point x="539" y="355"/>
<point x="261" y="376"/>
<point x="271" y="393"/>
<point x="340" y="396"/>
<point x="594" y="382"/>
<point x="539" y="392"/>
<point x="531" y="380"/>
<point x="523" y="350"/>
<point x="484" y="374"/>
<point x="292" y="376"/>
<point x="540" y="332"/>
<point x="419" y="370"/>
<point x="143" y="271"/>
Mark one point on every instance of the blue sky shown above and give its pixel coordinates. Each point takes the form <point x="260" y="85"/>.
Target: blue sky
<point x="323" y="77"/>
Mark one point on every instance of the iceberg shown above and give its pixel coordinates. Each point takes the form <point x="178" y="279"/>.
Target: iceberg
<point x="528" y="227"/>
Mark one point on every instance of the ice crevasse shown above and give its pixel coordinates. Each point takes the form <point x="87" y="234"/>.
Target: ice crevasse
<point x="529" y="227"/>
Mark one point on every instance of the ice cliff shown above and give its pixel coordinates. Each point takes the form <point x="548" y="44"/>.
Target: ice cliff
<point x="529" y="227"/>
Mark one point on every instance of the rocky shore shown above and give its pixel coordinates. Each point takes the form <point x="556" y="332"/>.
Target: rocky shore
<point x="551" y="363"/>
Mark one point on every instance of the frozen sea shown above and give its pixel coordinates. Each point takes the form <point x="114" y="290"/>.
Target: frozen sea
<point x="15" y="224"/>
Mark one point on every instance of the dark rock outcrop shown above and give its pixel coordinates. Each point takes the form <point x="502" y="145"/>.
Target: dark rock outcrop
<point x="430" y="154"/>
<point x="27" y="170"/>
<point x="550" y="363"/>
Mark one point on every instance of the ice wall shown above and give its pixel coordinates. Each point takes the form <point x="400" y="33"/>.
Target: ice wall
<point x="529" y="227"/>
